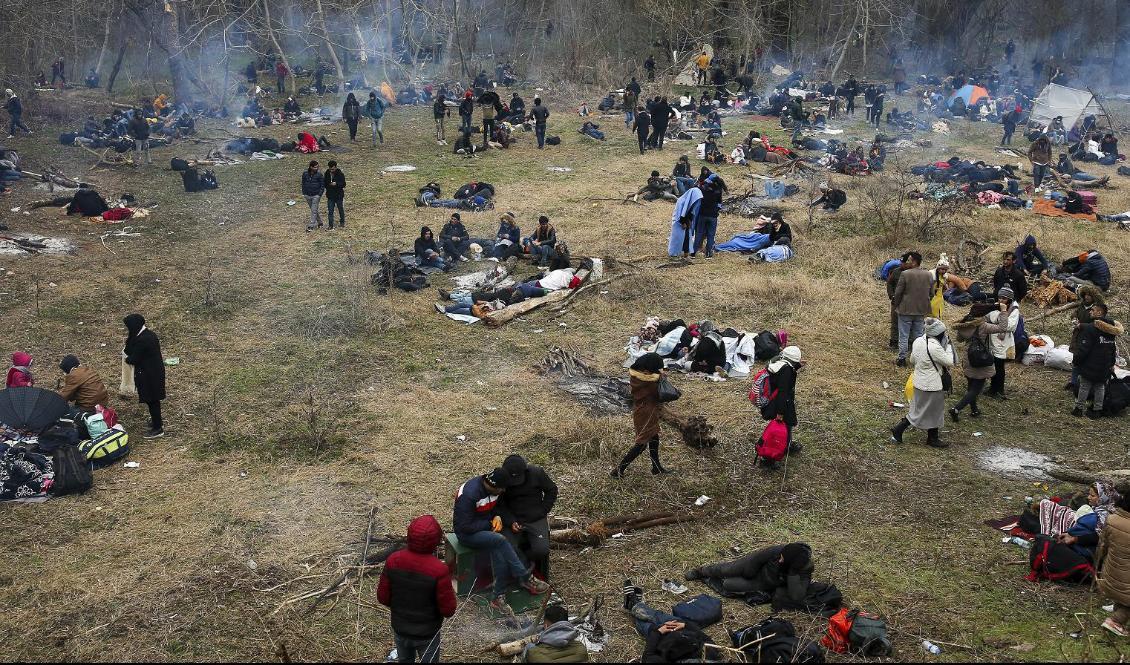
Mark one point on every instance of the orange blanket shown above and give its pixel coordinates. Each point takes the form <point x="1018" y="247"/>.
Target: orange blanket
<point x="1047" y="207"/>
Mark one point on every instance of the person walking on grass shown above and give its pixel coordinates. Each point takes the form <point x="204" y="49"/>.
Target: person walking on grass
<point x="931" y="358"/>
<point x="351" y="113"/>
<point x="143" y="353"/>
<point x="139" y="132"/>
<point x="642" y="124"/>
<point x="977" y="366"/>
<point x="375" y="112"/>
<point x="416" y="587"/>
<point x="15" y="113"/>
<point x="335" y="193"/>
<point x="313" y="186"/>
<point x="644" y="376"/>
<point x="540" y="115"/>
<point x="439" y="112"/>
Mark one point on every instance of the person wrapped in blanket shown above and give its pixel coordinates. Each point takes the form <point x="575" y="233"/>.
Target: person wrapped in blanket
<point x="780" y="574"/>
<point x="780" y="241"/>
<point x="1068" y="534"/>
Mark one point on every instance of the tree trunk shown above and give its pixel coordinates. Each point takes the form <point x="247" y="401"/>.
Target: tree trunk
<point x="117" y="65"/>
<point x="278" y="47"/>
<point x="105" y="42"/>
<point x="172" y="46"/>
<point x="329" y="44"/>
<point x="1120" y="60"/>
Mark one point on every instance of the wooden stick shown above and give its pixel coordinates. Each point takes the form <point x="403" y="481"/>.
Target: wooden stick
<point x="1057" y="310"/>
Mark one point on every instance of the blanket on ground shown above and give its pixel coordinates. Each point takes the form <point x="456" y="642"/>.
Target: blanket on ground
<point x="1047" y="208"/>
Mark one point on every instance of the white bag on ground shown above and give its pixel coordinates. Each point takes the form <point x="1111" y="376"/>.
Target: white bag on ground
<point x="1058" y="358"/>
<point x="1037" y="354"/>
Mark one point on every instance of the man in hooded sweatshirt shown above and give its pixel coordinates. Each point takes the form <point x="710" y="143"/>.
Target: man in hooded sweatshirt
<point x="82" y="385"/>
<point x="530" y="495"/>
<point x="143" y="352"/>
<point x="1030" y="259"/>
<point x="416" y="587"/>
<point x="557" y="642"/>
<point x="19" y="374"/>
<point x="1094" y="358"/>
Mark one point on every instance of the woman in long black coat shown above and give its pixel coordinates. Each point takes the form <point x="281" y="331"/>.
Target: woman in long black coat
<point x="143" y="352"/>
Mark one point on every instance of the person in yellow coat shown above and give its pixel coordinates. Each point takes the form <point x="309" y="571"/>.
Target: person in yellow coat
<point x="703" y="64"/>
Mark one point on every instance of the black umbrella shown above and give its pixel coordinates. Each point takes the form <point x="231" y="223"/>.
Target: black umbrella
<point x="31" y="408"/>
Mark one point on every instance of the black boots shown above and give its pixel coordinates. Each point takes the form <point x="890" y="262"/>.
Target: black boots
<point x="897" y="430"/>
<point x="934" y="439"/>
<point x="653" y="451"/>
<point x="652" y="447"/>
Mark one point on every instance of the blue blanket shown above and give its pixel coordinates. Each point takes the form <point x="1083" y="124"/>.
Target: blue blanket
<point x="687" y="205"/>
<point x="745" y="242"/>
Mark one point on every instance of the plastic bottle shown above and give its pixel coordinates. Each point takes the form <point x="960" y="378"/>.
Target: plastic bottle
<point x="931" y="647"/>
<point x="1021" y="542"/>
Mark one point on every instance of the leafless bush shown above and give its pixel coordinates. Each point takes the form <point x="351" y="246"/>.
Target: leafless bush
<point x="314" y="432"/>
<point x="355" y="310"/>
<point x="891" y="199"/>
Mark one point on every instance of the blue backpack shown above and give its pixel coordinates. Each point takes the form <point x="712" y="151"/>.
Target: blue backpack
<point x="703" y="610"/>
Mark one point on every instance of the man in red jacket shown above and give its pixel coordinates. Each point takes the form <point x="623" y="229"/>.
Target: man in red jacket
<point x="416" y="586"/>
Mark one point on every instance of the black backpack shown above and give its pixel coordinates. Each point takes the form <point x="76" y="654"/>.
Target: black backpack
<point x="978" y="352"/>
<point x="178" y="164"/>
<point x="553" y="140"/>
<point x="208" y="180"/>
<point x="73" y="473"/>
<point x="774" y="641"/>
<point x="765" y="346"/>
<point x="191" y="179"/>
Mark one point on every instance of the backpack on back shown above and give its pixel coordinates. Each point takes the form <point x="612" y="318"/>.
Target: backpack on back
<point x="763" y="391"/>
<point x="979" y="353"/>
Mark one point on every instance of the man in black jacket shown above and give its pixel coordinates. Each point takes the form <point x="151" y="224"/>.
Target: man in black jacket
<point x="540" y="116"/>
<point x="139" y="132"/>
<point x="335" y="192"/>
<point x="1094" y="359"/>
<point x="642" y="123"/>
<point x="1010" y="275"/>
<point x="15" y="113"/>
<point x="453" y="239"/>
<point x="525" y="507"/>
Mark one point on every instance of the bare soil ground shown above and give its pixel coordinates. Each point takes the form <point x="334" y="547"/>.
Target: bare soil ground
<point x="303" y="399"/>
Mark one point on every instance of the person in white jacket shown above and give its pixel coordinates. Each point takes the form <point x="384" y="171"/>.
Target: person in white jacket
<point x="931" y="356"/>
<point x="1003" y="345"/>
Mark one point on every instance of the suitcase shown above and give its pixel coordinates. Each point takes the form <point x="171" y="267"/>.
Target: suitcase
<point x="1088" y="197"/>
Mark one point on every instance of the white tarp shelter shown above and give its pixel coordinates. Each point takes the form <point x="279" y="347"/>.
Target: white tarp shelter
<point x="689" y="75"/>
<point x="1059" y="100"/>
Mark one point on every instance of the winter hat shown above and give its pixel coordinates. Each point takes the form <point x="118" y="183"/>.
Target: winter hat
<point x="499" y="478"/>
<point x="934" y="327"/>
<point x="21" y="359"/>
<point x="515" y="466"/>
<point x="791" y="354"/>
<point x="943" y="261"/>
<point x="69" y="362"/>
<point x="8" y="91"/>
<point x="648" y="362"/>
<point x="1006" y="292"/>
<point x="507" y="217"/>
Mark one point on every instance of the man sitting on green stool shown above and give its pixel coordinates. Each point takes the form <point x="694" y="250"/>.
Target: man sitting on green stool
<point x="479" y="527"/>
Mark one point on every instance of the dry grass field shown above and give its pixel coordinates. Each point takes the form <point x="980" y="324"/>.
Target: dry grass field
<point x="303" y="400"/>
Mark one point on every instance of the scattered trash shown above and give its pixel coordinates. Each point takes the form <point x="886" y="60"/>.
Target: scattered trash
<point x="618" y="535"/>
<point x="897" y="405"/>
<point x="290" y="203"/>
<point x="242" y="474"/>
<point x="461" y="437"/>
<point x="671" y="586"/>
<point x="399" y="168"/>
<point x="701" y="501"/>
<point x="172" y="362"/>
<point x="931" y="647"/>
<point x="978" y="434"/>
<point x="16" y="209"/>
<point x="558" y="169"/>
<point x="130" y="465"/>
<point x="1076" y="635"/>
<point x="1017" y="540"/>
<point x="886" y="385"/>
<point x="604" y="293"/>
<point x="1108" y="608"/>
<point x="252" y="565"/>
<point x="538" y="330"/>
<point x="1027" y="647"/>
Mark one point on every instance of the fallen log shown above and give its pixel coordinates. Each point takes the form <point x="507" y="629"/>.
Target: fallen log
<point x="1121" y="477"/>
<point x="504" y="316"/>
<point x="1056" y="310"/>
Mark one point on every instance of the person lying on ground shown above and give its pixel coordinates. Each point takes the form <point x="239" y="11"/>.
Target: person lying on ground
<point x="830" y="197"/>
<point x="1093" y="270"/>
<point x="668" y="638"/>
<point x="1010" y="274"/>
<point x="416" y="587"/>
<point x="558" y="641"/>
<point x="1093" y="360"/>
<point x="19" y="374"/>
<point x="1030" y="259"/>
<point x="478" y="526"/>
<point x="1066" y="168"/>
<point x="525" y="506"/>
<point x="540" y="243"/>
<point x="507" y="242"/>
<point x="780" y="574"/>
<point x="592" y="130"/>
<point x="657" y="187"/>
<point x="427" y="251"/>
<point x="454" y="240"/>
<point x="82" y="385"/>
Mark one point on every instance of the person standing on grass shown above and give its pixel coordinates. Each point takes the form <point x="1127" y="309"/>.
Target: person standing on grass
<point x="631" y="100"/>
<point x="466" y="112"/>
<point x="644" y="376"/>
<point x="912" y="302"/>
<point x="1003" y="344"/>
<point x="416" y="587"/>
<point x="540" y="115"/>
<point x="143" y="353"/>
<point x="707" y="224"/>
<point x="649" y="67"/>
<point x="978" y="366"/>
<point x="335" y="192"/>
<point x="1094" y="358"/>
<point x="931" y="356"/>
<point x="1112" y="560"/>
<point x="702" y="64"/>
<point x="439" y="112"/>
<point x="139" y="132"/>
<point x="351" y="113"/>
<point x="280" y="75"/>
<point x="313" y="186"/>
<point x="892" y="283"/>
<point x="15" y="113"/>
<point x="642" y="124"/>
<point x="375" y="112"/>
<point x="1009" y="121"/>
<point x="783" y="371"/>
<point x="1040" y="154"/>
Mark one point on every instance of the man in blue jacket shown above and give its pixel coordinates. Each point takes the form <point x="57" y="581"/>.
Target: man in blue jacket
<point x="1029" y="257"/>
<point x="1093" y="271"/>
<point x="478" y="525"/>
<point x="375" y="112"/>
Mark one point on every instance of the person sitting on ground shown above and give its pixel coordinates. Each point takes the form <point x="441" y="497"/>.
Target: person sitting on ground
<point x="681" y="176"/>
<point x="82" y="385"/>
<point x="711" y="153"/>
<point x="453" y="238"/>
<point x="479" y="526"/>
<point x="517" y="109"/>
<point x="561" y="259"/>
<point x="464" y="145"/>
<point x="1093" y="270"/>
<point x="558" y="641"/>
<point x="427" y="252"/>
<point x="780" y="574"/>
<point x="1113" y="563"/>
<point x="657" y="187"/>
<point x="540" y="243"/>
<point x="668" y="638"/>
<point x="830" y="197"/>
<point x="1010" y="275"/>
<point x="507" y="242"/>
<point x="291" y="108"/>
<point x="1029" y="257"/>
<point x="1074" y="532"/>
<point x="1073" y="204"/>
<point x="416" y="586"/>
<point x="19" y="374"/>
<point x="1093" y="360"/>
<point x="776" y="228"/>
<point x="1109" y="146"/>
<point x="525" y="506"/>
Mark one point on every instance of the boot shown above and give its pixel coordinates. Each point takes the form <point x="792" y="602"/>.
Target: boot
<point x="635" y="452"/>
<point x="955" y="414"/>
<point x="934" y="439"/>
<point x="653" y="451"/>
<point x="897" y="430"/>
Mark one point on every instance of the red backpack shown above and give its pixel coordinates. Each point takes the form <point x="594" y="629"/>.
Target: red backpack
<point x="774" y="441"/>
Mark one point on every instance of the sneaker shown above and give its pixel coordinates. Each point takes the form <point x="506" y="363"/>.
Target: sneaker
<point x="443" y="295"/>
<point x="1114" y="627"/>
<point x="795" y="448"/>
<point x="1077" y="412"/>
<point x="499" y="604"/>
<point x="976" y="413"/>
<point x="8" y="136"/>
<point x="154" y="434"/>
<point x="439" y="308"/>
<point x="955" y="415"/>
<point x="535" y="586"/>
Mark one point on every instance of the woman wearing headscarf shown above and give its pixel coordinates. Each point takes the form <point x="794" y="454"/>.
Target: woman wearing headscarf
<point x="781" y="574"/>
<point x="931" y="356"/>
<point x="644" y="376"/>
<point x="1065" y="549"/>
<point x="143" y="353"/>
<point x="783" y="371"/>
<point x="19" y="374"/>
<point x="683" y="221"/>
